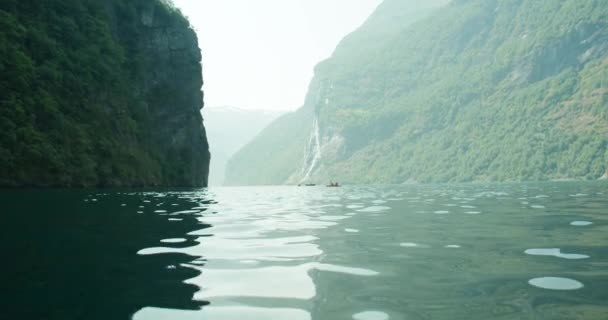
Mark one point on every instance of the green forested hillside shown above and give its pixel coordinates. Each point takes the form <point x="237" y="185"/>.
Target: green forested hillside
<point x="274" y="154"/>
<point x="480" y="90"/>
<point x="82" y="93"/>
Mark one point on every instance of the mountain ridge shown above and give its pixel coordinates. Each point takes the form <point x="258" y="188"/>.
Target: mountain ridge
<point x="501" y="90"/>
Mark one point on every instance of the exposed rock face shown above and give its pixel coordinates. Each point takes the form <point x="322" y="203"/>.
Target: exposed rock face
<point x="172" y="89"/>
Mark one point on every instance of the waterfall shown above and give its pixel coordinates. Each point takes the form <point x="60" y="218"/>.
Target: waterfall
<point x="314" y="151"/>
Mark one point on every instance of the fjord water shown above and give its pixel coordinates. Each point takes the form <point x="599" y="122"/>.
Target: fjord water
<point x="502" y="251"/>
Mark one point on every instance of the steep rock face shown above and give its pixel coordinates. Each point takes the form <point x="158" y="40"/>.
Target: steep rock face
<point x="171" y="89"/>
<point x="480" y="90"/>
<point x="100" y="93"/>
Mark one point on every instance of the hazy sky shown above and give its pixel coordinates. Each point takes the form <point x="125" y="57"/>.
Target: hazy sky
<point x="260" y="54"/>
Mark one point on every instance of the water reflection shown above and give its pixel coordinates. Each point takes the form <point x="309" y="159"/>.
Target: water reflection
<point x="69" y="258"/>
<point x="556" y="252"/>
<point x="555" y="283"/>
<point x="371" y="315"/>
<point x="267" y="254"/>
<point x="394" y="252"/>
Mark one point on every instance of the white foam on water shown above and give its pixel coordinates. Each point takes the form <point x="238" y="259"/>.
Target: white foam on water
<point x="453" y="246"/>
<point x="351" y="230"/>
<point x="441" y="212"/>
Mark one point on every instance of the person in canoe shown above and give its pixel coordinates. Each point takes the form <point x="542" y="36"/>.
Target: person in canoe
<point x="333" y="185"/>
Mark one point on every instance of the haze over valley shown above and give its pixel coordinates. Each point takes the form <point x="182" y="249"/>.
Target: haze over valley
<point x="304" y="159"/>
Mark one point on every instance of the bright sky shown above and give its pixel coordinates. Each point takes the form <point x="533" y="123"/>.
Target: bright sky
<point x="260" y="54"/>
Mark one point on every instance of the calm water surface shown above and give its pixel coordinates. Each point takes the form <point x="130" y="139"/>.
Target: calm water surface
<point x="513" y="251"/>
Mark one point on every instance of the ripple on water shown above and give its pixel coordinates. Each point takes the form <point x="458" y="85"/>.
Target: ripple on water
<point x="578" y="195"/>
<point x="374" y="209"/>
<point x="555" y="283"/>
<point x="224" y="312"/>
<point x="355" y="206"/>
<point x="555" y="252"/>
<point x="176" y="240"/>
<point x="332" y="218"/>
<point x="282" y="282"/>
<point x="371" y="315"/>
<point x="341" y="269"/>
<point x="412" y="245"/>
<point x="581" y="223"/>
<point x="453" y="246"/>
<point x="351" y="230"/>
<point x="441" y="212"/>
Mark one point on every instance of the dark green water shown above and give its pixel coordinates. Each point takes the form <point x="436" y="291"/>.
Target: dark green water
<point x="513" y="251"/>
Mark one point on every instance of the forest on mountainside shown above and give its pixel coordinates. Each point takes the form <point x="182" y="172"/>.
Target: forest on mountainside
<point x="498" y="90"/>
<point x="79" y="100"/>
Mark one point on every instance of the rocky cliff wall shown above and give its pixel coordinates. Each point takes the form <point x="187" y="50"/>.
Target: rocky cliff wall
<point x="100" y="93"/>
<point x="171" y="88"/>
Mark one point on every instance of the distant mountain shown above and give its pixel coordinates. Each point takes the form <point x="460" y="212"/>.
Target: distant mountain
<point x="470" y="90"/>
<point x="229" y="129"/>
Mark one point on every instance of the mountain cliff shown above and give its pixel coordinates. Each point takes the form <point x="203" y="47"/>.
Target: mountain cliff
<point x="470" y="90"/>
<point x="100" y="93"/>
